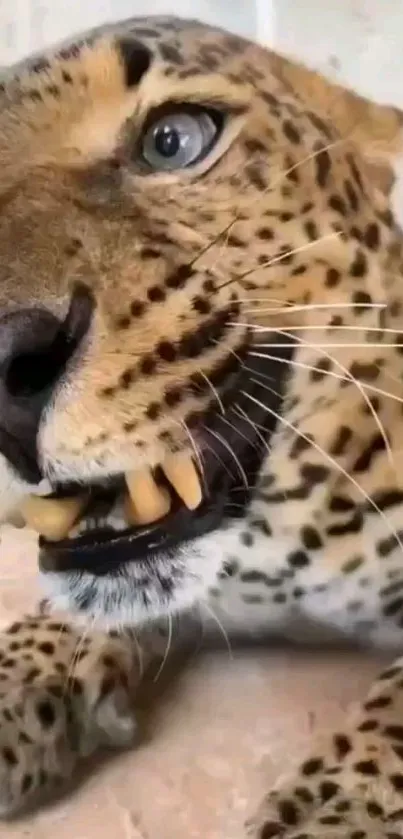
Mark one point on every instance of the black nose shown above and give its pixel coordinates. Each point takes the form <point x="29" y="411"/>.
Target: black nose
<point x="35" y="349"/>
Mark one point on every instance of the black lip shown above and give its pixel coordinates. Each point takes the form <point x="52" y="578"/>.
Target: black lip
<point x="227" y="493"/>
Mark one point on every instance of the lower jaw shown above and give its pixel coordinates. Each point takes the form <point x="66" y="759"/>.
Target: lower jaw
<point x="231" y="472"/>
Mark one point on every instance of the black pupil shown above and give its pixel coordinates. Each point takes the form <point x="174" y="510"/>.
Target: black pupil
<point x="167" y="141"/>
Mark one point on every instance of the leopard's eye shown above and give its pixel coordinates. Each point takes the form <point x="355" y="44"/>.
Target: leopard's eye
<point x="180" y="137"/>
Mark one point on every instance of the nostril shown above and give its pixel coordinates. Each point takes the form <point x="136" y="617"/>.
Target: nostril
<point x="23" y="377"/>
<point x="35" y="350"/>
<point x="30" y="371"/>
<point x="44" y="346"/>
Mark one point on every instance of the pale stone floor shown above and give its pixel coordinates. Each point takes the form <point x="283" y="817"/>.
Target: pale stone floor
<point x="216" y="741"/>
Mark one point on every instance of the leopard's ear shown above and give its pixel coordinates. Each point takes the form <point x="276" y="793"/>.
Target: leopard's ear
<point x="377" y="129"/>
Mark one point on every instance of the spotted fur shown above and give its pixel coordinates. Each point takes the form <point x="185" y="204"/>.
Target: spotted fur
<point x="288" y="228"/>
<point x="62" y="696"/>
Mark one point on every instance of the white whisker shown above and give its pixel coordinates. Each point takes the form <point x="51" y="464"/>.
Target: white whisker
<point x="330" y="346"/>
<point x="262" y="439"/>
<point x="167" y="650"/>
<point x="139" y="652"/>
<point x="257" y="432"/>
<point x="281" y="257"/>
<point x="226" y="445"/>
<point x="237" y="431"/>
<point x="360" y="388"/>
<point x="216" y="620"/>
<point x="266" y="299"/>
<point x="331" y="373"/>
<point x="193" y="443"/>
<point x="219" y="460"/>
<point x="214" y="391"/>
<point x="69" y="678"/>
<point x="307" y="307"/>
<point x="328" y="326"/>
<point x="332" y="460"/>
<point x="260" y="196"/>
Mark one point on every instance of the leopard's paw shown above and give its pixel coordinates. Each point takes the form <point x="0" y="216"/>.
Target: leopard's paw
<point x="62" y="697"/>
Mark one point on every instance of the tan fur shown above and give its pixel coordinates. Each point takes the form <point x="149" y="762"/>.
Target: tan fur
<point x="377" y="129"/>
<point x="290" y="210"/>
<point x="58" y="187"/>
<point x="100" y="422"/>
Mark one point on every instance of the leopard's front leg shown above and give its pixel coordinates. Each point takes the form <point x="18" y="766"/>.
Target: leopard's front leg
<point x="351" y="785"/>
<point x="64" y="694"/>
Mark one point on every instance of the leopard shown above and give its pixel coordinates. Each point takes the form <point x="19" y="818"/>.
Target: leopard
<point x="201" y="265"/>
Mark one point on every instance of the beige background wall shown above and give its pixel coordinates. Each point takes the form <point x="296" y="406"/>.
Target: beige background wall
<point x="360" y="41"/>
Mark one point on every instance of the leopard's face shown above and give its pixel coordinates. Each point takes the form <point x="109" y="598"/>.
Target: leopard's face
<point x="161" y="196"/>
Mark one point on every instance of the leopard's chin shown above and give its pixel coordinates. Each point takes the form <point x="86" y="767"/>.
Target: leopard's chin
<point x="235" y="448"/>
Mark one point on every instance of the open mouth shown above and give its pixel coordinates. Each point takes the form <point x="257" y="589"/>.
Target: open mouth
<point x="136" y="499"/>
<point x="133" y="517"/>
<point x="85" y="521"/>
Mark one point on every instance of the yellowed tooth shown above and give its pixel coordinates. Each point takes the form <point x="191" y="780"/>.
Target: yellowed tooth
<point x="147" y="502"/>
<point x="181" y="472"/>
<point x="52" y="518"/>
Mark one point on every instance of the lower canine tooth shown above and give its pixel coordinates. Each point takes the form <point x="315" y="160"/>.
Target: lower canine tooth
<point x="147" y="502"/>
<point x="182" y="474"/>
<point x="52" y="518"/>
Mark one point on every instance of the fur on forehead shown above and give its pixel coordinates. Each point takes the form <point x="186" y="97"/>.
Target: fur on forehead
<point x="71" y="114"/>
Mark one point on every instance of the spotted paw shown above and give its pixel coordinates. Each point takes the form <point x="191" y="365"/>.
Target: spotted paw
<point x="61" y="698"/>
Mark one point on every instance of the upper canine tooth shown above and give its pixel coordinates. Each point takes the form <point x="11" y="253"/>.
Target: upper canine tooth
<point x="148" y="502"/>
<point x="52" y="518"/>
<point x="181" y="472"/>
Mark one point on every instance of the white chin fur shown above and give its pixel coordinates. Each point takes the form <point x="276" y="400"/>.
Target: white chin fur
<point x="135" y="595"/>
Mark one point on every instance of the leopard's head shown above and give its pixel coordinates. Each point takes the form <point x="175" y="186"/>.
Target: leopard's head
<point x="163" y="198"/>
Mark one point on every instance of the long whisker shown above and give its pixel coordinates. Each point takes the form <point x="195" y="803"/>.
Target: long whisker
<point x="305" y="307"/>
<point x="139" y="651"/>
<point x="214" y="391"/>
<point x="266" y="299"/>
<point x="226" y="445"/>
<point x="270" y="188"/>
<point x="334" y="346"/>
<point x="237" y="431"/>
<point x="332" y="460"/>
<point x="390" y="375"/>
<point x="244" y="415"/>
<point x="76" y="654"/>
<point x="305" y="327"/>
<point x="255" y="427"/>
<point x="280" y="257"/>
<point x="167" y="649"/>
<point x="277" y="258"/>
<point x="194" y="445"/>
<point x="359" y="386"/>
<point x="222" y="629"/>
<point x="330" y="373"/>
<point x="219" y="460"/>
